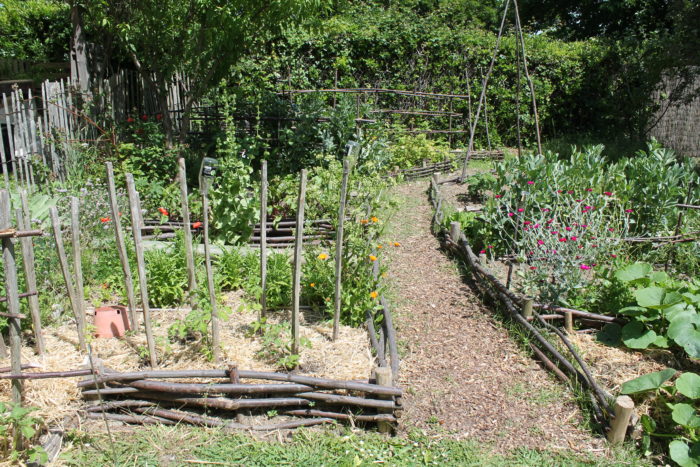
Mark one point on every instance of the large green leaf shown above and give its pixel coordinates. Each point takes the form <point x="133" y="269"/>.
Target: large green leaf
<point x="684" y="455"/>
<point x="636" y="336"/>
<point x="611" y="334"/>
<point x="685" y="415"/>
<point x="633" y="272"/>
<point x="650" y="296"/>
<point x="684" y="330"/>
<point x="688" y="384"/>
<point x="648" y="382"/>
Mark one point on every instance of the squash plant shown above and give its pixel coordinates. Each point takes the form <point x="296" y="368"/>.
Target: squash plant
<point x="665" y="313"/>
<point x="674" y="415"/>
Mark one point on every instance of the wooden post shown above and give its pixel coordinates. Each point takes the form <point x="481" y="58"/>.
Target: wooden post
<point x="339" y="248"/>
<point x="569" y="322"/>
<point x="121" y="248"/>
<point x="12" y="294"/>
<point x="527" y="307"/>
<point x="65" y="269"/>
<point x="30" y="277"/>
<point x="455" y="230"/>
<point x="77" y="257"/>
<point x="263" y="239"/>
<point x="4" y="163"/>
<point x="191" y="274"/>
<point x="135" y="208"/>
<point x="296" y="276"/>
<point x="215" y="339"/>
<point x="384" y="378"/>
<point x="624" y="407"/>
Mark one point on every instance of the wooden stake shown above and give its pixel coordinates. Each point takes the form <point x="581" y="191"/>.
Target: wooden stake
<point x="296" y="276"/>
<point x="77" y="257"/>
<point x="12" y="293"/>
<point x="135" y="208"/>
<point x="569" y="322"/>
<point x="191" y="273"/>
<point x="30" y="277"/>
<point x="455" y="229"/>
<point x="384" y="378"/>
<point x="121" y="248"/>
<point x="527" y="307"/>
<point x="339" y="248"/>
<point x="624" y="407"/>
<point x="215" y="339"/>
<point x="263" y="238"/>
<point x="65" y="269"/>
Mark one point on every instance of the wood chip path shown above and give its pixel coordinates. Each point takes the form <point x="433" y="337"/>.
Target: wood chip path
<point x="464" y="376"/>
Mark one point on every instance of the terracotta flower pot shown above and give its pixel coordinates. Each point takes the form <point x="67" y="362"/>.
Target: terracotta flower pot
<point x="111" y="321"/>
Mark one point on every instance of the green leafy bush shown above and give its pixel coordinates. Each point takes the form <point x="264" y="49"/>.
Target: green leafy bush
<point x="674" y="414"/>
<point x="17" y="423"/>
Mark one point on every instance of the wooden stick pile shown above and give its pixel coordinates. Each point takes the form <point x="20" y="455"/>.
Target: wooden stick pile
<point x="224" y="400"/>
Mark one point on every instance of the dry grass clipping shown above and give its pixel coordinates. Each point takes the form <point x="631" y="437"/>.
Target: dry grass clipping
<point x="347" y="358"/>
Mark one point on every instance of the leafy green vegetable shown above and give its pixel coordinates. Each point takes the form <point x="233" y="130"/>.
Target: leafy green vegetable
<point x="648" y="382"/>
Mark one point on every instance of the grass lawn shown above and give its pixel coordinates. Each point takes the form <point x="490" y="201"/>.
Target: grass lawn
<point x="305" y="447"/>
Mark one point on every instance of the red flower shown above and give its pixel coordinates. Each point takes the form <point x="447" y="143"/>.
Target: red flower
<point x="532" y="268"/>
<point x="498" y="196"/>
<point x="571" y="192"/>
<point x="527" y="222"/>
<point x="568" y="229"/>
<point x="573" y="239"/>
<point x="563" y="239"/>
<point x="105" y="219"/>
<point x="482" y="252"/>
<point x="163" y="211"/>
<point x="144" y="117"/>
<point x="159" y="117"/>
<point x="520" y="209"/>
<point x="196" y="225"/>
<point x="613" y="256"/>
<point x="607" y="193"/>
<point x="589" y="189"/>
<point x="130" y="120"/>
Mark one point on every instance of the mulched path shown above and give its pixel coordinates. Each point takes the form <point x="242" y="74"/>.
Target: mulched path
<point x="463" y="376"/>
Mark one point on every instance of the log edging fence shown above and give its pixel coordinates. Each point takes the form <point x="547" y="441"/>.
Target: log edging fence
<point x="520" y="309"/>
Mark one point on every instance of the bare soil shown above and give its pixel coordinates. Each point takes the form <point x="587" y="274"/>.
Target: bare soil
<point x="463" y="374"/>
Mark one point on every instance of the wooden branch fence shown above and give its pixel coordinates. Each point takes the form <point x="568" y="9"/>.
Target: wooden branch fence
<point x="521" y="310"/>
<point x="426" y="170"/>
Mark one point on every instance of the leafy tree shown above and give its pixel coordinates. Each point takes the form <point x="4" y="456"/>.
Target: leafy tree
<point x="201" y="38"/>
<point x="34" y="30"/>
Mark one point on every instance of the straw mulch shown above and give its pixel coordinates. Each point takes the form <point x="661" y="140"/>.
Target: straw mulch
<point x="348" y="358"/>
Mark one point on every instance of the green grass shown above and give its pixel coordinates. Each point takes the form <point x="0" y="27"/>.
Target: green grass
<point x="174" y="446"/>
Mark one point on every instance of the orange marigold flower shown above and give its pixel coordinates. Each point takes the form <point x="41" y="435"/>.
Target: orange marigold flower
<point x="323" y="256"/>
<point x="372" y="258"/>
<point x="163" y="211"/>
<point x="380" y="246"/>
<point x="196" y="225"/>
<point x="397" y="244"/>
<point x="374" y="219"/>
<point x="364" y="221"/>
<point x="373" y="294"/>
<point x="313" y="284"/>
<point x="105" y="219"/>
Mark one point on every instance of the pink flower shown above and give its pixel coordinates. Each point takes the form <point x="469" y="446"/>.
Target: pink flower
<point x="489" y="246"/>
<point x="520" y="209"/>
<point x="560" y="191"/>
<point x="579" y="200"/>
<point x="546" y="210"/>
<point x="588" y="207"/>
<point x="607" y="193"/>
<point x="611" y="229"/>
<point x="562" y="240"/>
<point x="540" y="242"/>
<point x="498" y="196"/>
<point x="613" y="256"/>
<point x="571" y="192"/>
<point x="554" y="252"/>
<point x="554" y="232"/>
<point x="629" y="210"/>
<point x="589" y="189"/>
<point x="568" y="229"/>
<point x="585" y="226"/>
<point x="573" y="239"/>
<point x="530" y="182"/>
<point x="482" y="252"/>
<point x="527" y="223"/>
<point x="535" y="226"/>
<point x="550" y="221"/>
<point x="532" y="268"/>
<point x="530" y="252"/>
<point x="510" y="214"/>
<point x="585" y="267"/>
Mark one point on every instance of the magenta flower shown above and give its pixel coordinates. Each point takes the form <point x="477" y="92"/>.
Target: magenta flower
<point x="607" y="193"/>
<point x="588" y="207"/>
<point x="510" y="214"/>
<point x="579" y="200"/>
<point x="560" y="191"/>
<point x="489" y="246"/>
<point x="568" y="229"/>
<point x="540" y="242"/>
<point x="613" y="256"/>
<point x="527" y="223"/>
<point x="594" y="246"/>
<point x="585" y="226"/>
<point x="532" y="268"/>
<point x="585" y="267"/>
<point x="554" y="232"/>
<point x="530" y="182"/>
<point x="520" y="209"/>
<point x="498" y="196"/>
<point x="571" y="192"/>
<point x="629" y="210"/>
<point x="589" y="189"/>
<point x="573" y="239"/>
<point x="535" y="226"/>
<point x="482" y="252"/>
<point x="611" y="229"/>
<point x="546" y="209"/>
<point x="562" y="240"/>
